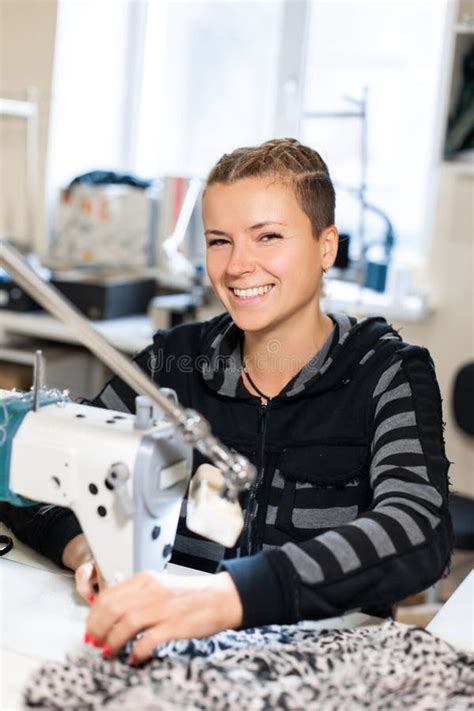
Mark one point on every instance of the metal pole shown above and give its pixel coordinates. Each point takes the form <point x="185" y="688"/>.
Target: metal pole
<point x="363" y="165"/>
<point x="37" y="379"/>
<point x="32" y="153"/>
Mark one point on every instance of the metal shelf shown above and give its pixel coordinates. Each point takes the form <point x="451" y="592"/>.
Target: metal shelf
<point x="18" y="109"/>
<point x="460" y="168"/>
<point x="464" y="28"/>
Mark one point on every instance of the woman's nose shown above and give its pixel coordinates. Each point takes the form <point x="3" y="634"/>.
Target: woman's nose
<point x="240" y="262"/>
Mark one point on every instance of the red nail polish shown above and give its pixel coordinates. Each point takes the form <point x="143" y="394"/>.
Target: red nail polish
<point x="95" y="642"/>
<point x="90" y="599"/>
<point x="132" y="660"/>
<point x="87" y="638"/>
<point x="106" y="651"/>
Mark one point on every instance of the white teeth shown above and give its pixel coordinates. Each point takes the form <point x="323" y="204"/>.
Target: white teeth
<point x="247" y="293"/>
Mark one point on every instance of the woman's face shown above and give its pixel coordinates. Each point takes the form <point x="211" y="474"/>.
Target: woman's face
<point x="262" y="259"/>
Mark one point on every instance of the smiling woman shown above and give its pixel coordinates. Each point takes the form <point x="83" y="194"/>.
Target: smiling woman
<point x="342" y="420"/>
<point x="266" y="214"/>
<point x="259" y="238"/>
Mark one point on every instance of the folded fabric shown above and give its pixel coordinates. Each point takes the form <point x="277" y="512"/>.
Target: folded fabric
<point x="391" y="666"/>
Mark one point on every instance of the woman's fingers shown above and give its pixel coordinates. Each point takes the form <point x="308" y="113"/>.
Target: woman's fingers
<point x="164" y="608"/>
<point x="184" y="615"/>
<point x="100" y="582"/>
<point x="142" y="618"/>
<point x="115" y="601"/>
<point x="86" y="579"/>
<point x="144" y="647"/>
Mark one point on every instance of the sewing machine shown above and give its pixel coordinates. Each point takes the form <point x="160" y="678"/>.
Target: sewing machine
<point x="123" y="475"/>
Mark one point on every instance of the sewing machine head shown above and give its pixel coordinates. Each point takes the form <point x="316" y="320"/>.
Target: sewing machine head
<point x="123" y="475"/>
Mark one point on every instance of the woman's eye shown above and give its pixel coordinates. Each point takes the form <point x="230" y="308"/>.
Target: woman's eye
<point x="217" y="242"/>
<point x="269" y="237"/>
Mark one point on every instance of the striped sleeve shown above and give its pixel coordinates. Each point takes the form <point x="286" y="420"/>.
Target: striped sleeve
<point x="402" y="544"/>
<point x="116" y="394"/>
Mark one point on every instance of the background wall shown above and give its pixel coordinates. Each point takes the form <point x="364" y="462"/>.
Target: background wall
<point x="27" y="34"/>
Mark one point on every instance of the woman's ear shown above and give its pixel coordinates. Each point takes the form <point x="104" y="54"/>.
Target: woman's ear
<point x="328" y="242"/>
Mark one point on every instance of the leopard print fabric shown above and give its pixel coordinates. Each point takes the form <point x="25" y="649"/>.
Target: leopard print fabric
<point x="293" y="667"/>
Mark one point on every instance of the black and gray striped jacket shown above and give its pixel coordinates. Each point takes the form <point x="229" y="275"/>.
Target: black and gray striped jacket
<point x="349" y="510"/>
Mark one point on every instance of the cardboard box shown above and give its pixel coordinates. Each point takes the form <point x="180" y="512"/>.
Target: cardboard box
<point x="104" y="225"/>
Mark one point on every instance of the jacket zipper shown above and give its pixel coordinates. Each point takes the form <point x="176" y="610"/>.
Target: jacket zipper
<point x="251" y="511"/>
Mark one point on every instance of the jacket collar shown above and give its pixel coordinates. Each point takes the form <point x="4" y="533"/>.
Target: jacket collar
<point x="222" y="360"/>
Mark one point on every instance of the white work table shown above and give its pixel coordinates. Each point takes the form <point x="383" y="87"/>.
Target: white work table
<point x="83" y="375"/>
<point x="130" y="334"/>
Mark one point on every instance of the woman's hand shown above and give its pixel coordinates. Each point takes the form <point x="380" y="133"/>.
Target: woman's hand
<point x="88" y="580"/>
<point x="164" y="607"/>
<point x="78" y="557"/>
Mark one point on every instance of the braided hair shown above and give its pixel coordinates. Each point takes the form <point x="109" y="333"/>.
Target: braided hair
<point x="288" y="160"/>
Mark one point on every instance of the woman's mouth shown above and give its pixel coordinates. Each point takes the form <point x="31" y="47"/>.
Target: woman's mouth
<point x="251" y="294"/>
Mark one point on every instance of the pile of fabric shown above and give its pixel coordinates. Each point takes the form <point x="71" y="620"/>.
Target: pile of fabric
<point x="391" y="666"/>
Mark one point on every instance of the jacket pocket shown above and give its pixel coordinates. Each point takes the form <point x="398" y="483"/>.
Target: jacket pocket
<point x="319" y="487"/>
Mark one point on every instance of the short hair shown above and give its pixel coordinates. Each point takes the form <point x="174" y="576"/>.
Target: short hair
<point x="286" y="159"/>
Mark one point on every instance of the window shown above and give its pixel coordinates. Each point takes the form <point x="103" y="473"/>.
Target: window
<point x="393" y="49"/>
<point x="209" y="84"/>
<point x="89" y="89"/>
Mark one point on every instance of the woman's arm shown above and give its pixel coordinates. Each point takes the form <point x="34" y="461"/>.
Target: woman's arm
<point x="45" y="528"/>
<point x="400" y="546"/>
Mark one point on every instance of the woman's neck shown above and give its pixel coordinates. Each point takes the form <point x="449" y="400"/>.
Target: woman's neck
<point x="273" y="358"/>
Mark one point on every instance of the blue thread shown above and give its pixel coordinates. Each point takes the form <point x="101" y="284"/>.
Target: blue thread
<point x="13" y="410"/>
